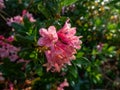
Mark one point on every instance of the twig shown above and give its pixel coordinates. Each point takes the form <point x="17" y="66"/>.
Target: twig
<point x="108" y="78"/>
<point x="4" y="13"/>
<point x="3" y="17"/>
<point x="31" y="1"/>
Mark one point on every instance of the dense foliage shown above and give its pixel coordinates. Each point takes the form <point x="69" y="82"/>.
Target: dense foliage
<point x="59" y="44"/>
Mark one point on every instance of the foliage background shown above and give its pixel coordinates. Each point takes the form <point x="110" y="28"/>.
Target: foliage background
<point x="98" y="62"/>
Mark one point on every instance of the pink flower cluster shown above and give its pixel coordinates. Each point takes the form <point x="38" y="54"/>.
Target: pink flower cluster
<point x="62" y="85"/>
<point x="7" y="50"/>
<point x="62" y="46"/>
<point x="19" y="19"/>
<point x="2" y="4"/>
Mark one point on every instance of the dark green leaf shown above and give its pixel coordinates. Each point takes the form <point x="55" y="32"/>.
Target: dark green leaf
<point x="19" y="28"/>
<point x="44" y="10"/>
<point x="79" y="62"/>
<point x="73" y="71"/>
<point x="39" y="71"/>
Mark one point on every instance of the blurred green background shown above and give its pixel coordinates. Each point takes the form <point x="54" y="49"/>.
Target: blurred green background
<point x="98" y="21"/>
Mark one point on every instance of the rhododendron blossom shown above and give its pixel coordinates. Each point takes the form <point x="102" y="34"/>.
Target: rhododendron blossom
<point x="25" y="13"/>
<point x="11" y="86"/>
<point x="19" y="19"/>
<point x="49" y="37"/>
<point x="62" y="46"/>
<point x="2" y="4"/>
<point x="67" y="35"/>
<point x="7" y="50"/>
<point x="57" y="57"/>
<point x="62" y="85"/>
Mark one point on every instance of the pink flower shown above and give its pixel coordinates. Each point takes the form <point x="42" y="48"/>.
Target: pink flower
<point x="49" y="37"/>
<point x="17" y="19"/>
<point x="2" y="4"/>
<point x="3" y="53"/>
<point x="69" y="51"/>
<point x="62" y="85"/>
<point x="28" y="15"/>
<point x="62" y="46"/>
<point x="13" y="57"/>
<point x="59" y="55"/>
<point x="11" y="86"/>
<point x="67" y="36"/>
<point x="55" y="58"/>
<point x="2" y="37"/>
<point x="10" y="39"/>
<point x="24" y="12"/>
<point x="7" y="50"/>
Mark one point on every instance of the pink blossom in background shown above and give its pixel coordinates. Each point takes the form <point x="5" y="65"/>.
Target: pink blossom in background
<point x="24" y="12"/>
<point x="11" y="86"/>
<point x="7" y="50"/>
<point x="62" y="85"/>
<point x="10" y="39"/>
<point x="2" y="4"/>
<point x="62" y="46"/>
<point x="28" y="15"/>
<point x="19" y="19"/>
<point x="1" y="37"/>
<point x="3" y="53"/>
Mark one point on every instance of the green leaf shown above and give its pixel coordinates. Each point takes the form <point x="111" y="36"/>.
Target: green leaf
<point x="19" y="28"/>
<point x="94" y="52"/>
<point x="29" y="67"/>
<point x="64" y="3"/>
<point x="98" y="22"/>
<point x="12" y="70"/>
<point x="24" y="39"/>
<point x="73" y="71"/>
<point x="27" y="23"/>
<point x="67" y="2"/>
<point x="39" y="71"/>
<point x="111" y="49"/>
<point x="111" y="26"/>
<point x="79" y="54"/>
<point x="25" y="53"/>
<point x="98" y="76"/>
<point x="44" y="10"/>
<point x="79" y="62"/>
